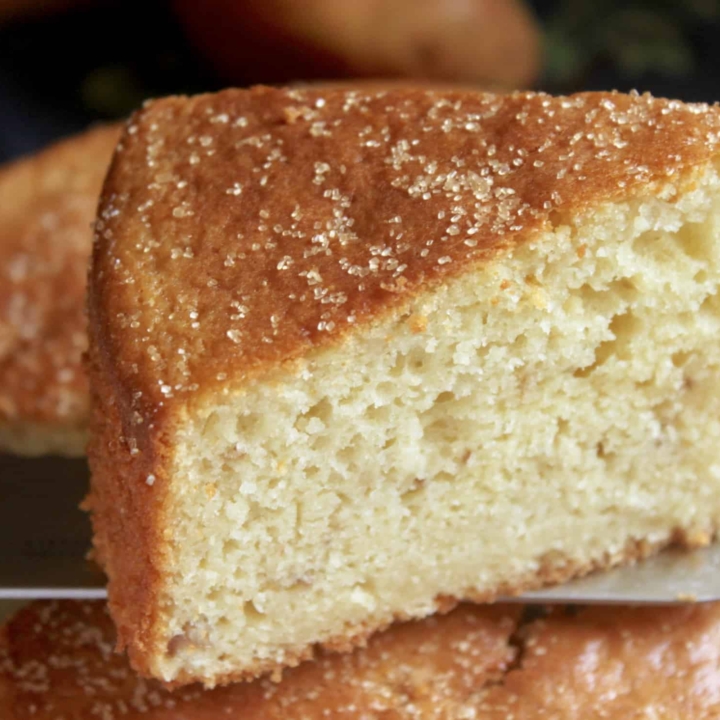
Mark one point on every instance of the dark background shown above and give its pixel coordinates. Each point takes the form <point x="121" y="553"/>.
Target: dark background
<point x="62" y="72"/>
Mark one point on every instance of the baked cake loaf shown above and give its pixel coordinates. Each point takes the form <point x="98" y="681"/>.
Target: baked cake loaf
<point x="355" y="356"/>
<point x="47" y="205"/>
<point x="57" y="661"/>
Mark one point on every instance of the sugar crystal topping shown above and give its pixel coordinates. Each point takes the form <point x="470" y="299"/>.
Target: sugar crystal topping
<point x="241" y="229"/>
<point x="61" y="663"/>
<point x="49" y="201"/>
<point x="58" y="662"/>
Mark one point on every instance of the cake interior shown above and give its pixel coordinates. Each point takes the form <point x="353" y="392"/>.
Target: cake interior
<point x="555" y="410"/>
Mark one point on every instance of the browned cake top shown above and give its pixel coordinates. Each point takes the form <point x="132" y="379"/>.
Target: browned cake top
<point x="242" y="229"/>
<point x="47" y="205"/>
<point x="58" y="662"/>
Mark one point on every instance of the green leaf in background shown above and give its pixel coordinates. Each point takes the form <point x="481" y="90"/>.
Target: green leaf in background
<point x="636" y="37"/>
<point x="112" y="91"/>
<point x="640" y="41"/>
<point x="563" y="56"/>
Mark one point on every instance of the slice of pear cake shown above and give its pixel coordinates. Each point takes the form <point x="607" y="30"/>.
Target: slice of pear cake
<point x="356" y="355"/>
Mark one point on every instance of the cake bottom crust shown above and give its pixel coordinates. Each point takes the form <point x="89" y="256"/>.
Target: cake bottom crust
<point x="553" y="571"/>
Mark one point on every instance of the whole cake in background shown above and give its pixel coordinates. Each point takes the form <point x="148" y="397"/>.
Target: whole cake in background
<point x="47" y="206"/>
<point x="357" y="355"/>
<point x="484" y="663"/>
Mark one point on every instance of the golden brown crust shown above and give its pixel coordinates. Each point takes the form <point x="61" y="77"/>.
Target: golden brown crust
<point x="241" y="230"/>
<point x="56" y="660"/>
<point x="60" y="663"/>
<point x="47" y="204"/>
<point x="129" y="545"/>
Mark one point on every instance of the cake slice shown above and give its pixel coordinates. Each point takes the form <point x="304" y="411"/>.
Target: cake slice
<point x="47" y="205"/>
<point x="479" y="662"/>
<point x="357" y="355"/>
